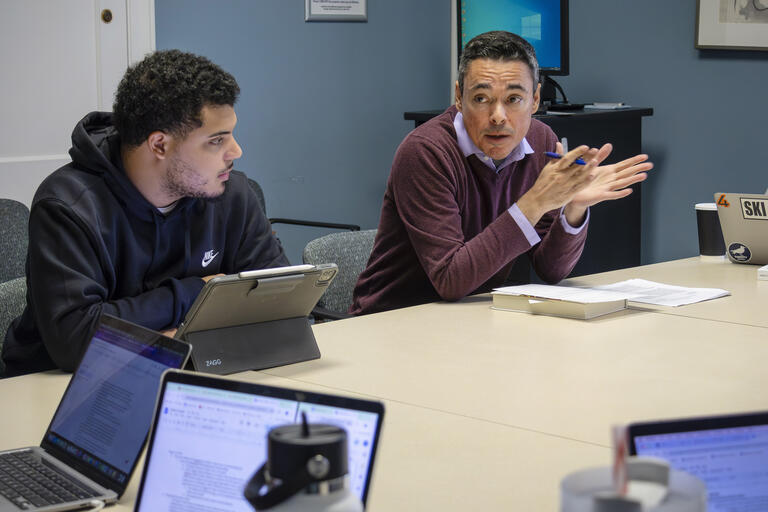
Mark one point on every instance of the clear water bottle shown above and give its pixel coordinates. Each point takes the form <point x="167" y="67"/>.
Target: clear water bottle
<point x="306" y="470"/>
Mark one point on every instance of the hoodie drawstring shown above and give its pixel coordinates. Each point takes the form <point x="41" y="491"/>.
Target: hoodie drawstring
<point x="156" y="225"/>
<point x="187" y="243"/>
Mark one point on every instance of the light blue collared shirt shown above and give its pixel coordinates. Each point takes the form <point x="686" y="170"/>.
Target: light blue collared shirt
<point x="468" y="148"/>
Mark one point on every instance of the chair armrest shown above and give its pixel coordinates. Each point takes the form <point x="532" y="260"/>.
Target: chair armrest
<point x="316" y="224"/>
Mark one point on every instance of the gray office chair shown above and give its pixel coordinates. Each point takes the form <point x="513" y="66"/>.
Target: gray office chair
<point x="14" y="219"/>
<point x="350" y="251"/>
<point x="259" y="194"/>
<point x="13" y="299"/>
<point x="319" y="313"/>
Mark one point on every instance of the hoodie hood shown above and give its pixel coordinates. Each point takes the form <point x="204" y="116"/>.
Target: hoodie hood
<point x="90" y="143"/>
<point x="96" y="150"/>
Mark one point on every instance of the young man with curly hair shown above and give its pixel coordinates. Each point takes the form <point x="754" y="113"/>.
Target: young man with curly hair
<point x="148" y="210"/>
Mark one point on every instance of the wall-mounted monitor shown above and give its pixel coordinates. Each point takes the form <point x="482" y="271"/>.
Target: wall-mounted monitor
<point x="543" y="23"/>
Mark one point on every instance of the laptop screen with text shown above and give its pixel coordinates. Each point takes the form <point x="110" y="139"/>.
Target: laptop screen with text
<point x="104" y="417"/>
<point x="207" y="441"/>
<point x="729" y="454"/>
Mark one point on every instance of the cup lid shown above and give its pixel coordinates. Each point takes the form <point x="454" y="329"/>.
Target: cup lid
<point x="299" y="457"/>
<point x="292" y="446"/>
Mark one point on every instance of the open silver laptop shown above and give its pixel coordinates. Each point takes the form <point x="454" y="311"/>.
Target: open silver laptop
<point x="744" y="221"/>
<point x="99" y="429"/>
<point x="729" y="453"/>
<point x="210" y="436"/>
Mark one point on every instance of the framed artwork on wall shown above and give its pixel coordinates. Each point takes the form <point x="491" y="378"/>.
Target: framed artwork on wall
<point x="732" y="24"/>
<point x="335" y="10"/>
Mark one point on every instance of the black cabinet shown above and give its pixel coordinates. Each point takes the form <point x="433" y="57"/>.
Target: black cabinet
<point x="614" y="227"/>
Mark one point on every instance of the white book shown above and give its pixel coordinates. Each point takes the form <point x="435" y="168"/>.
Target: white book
<point x="564" y="301"/>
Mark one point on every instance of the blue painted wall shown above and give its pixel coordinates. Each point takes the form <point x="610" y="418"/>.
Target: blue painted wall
<point x="321" y="109"/>
<point x="707" y="133"/>
<point x="322" y="103"/>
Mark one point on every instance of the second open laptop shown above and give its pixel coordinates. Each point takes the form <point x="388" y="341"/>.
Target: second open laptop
<point x="729" y="453"/>
<point x="744" y="222"/>
<point x="210" y="436"/>
<point x="99" y="429"/>
<point x="255" y="320"/>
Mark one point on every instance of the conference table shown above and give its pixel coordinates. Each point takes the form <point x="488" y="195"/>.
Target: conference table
<point x="489" y="410"/>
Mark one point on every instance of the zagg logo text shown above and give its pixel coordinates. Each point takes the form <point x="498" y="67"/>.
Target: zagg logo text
<point x="212" y="362"/>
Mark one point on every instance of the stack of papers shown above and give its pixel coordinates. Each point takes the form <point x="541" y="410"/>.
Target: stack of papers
<point x="649" y="292"/>
<point x="585" y="303"/>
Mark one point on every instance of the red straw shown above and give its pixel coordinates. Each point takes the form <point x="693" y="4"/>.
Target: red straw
<point x="619" y="433"/>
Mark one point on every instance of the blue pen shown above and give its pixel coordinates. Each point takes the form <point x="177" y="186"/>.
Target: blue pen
<point x="555" y="155"/>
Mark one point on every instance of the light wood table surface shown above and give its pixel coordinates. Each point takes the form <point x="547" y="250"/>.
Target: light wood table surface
<point x="556" y="376"/>
<point x="427" y="459"/>
<point x="488" y="410"/>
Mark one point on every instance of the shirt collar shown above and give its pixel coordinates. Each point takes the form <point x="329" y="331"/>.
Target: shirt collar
<point x="468" y="147"/>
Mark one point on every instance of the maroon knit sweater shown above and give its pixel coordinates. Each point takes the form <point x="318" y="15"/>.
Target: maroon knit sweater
<point x="445" y="231"/>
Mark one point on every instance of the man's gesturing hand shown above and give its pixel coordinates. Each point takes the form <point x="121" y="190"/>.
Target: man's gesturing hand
<point x="613" y="181"/>
<point x="561" y="180"/>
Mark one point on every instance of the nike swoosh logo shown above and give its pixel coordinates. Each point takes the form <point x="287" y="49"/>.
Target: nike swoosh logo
<point x="208" y="258"/>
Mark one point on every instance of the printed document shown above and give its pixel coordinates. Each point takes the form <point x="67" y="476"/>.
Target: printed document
<point x="649" y="292"/>
<point x="569" y="293"/>
<point x="633" y="290"/>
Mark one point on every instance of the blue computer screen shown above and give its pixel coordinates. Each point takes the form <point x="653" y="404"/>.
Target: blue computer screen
<point x="107" y="409"/>
<point x="538" y="21"/>
<point x="732" y="462"/>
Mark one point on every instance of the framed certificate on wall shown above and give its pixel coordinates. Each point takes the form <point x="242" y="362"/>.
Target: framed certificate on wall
<point x="335" y="10"/>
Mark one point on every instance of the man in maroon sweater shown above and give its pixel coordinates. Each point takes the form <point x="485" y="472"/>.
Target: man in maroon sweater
<point x="472" y="189"/>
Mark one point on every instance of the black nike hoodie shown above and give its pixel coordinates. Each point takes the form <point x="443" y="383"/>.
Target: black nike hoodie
<point x="98" y="246"/>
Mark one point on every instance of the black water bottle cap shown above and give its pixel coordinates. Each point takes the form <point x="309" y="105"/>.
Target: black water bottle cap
<point x="321" y="449"/>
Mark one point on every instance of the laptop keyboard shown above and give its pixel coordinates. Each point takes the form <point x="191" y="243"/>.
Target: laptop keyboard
<point x="29" y="482"/>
